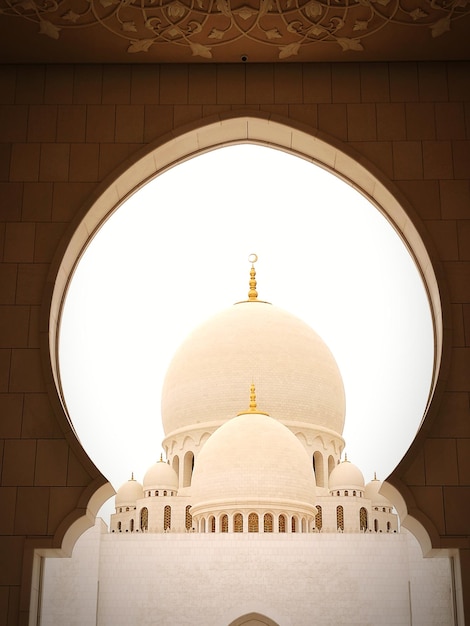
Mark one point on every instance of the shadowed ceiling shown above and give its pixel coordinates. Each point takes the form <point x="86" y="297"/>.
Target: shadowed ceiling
<point x="161" y="31"/>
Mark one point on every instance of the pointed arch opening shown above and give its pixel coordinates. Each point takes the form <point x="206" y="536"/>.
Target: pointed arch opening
<point x="252" y="129"/>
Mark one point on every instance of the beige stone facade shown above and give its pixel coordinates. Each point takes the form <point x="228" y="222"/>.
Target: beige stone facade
<point x="77" y="138"/>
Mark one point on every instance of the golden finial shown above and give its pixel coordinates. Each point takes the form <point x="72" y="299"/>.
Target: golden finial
<point x="345" y="458"/>
<point x="253" y="294"/>
<point x="375" y="476"/>
<point x="161" y="458"/>
<point x="252" y="398"/>
<point x="253" y="408"/>
<point x="132" y="476"/>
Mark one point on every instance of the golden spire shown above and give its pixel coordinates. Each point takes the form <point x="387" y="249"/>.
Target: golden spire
<point x="375" y="476"/>
<point x="253" y="408"/>
<point x="161" y="458"/>
<point x="253" y="294"/>
<point x="132" y="476"/>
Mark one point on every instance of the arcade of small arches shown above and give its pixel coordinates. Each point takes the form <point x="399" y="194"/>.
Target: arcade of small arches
<point x="252" y="523"/>
<point x="255" y="522"/>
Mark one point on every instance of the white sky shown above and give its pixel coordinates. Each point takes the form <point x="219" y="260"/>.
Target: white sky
<point x="176" y="253"/>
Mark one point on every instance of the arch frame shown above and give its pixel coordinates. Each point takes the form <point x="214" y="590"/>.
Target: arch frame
<point x="231" y="128"/>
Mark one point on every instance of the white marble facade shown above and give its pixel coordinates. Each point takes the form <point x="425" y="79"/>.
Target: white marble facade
<point x="172" y="579"/>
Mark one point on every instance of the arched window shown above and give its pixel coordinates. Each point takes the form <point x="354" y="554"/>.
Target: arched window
<point x="293" y="525"/>
<point x="176" y="465"/>
<point x="189" y="518"/>
<point x="167" y="518"/>
<point x="331" y="464"/>
<point x="144" y="519"/>
<point x="164" y="493"/>
<point x="376" y="525"/>
<point x="224" y="523"/>
<point x="188" y="469"/>
<point x="339" y="518"/>
<point x="132" y="525"/>
<point x="389" y="527"/>
<point x="238" y="523"/>
<point x="282" y="523"/>
<point x="268" y="523"/>
<point x="363" y="519"/>
<point x="212" y="524"/>
<point x="253" y="526"/>
<point x="119" y="526"/>
<point x="354" y="493"/>
<point x="346" y="493"/>
<point x="318" y="469"/>
<point x="319" y="518"/>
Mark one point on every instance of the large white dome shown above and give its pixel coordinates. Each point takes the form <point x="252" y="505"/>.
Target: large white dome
<point x="253" y="461"/>
<point x="296" y="376"/>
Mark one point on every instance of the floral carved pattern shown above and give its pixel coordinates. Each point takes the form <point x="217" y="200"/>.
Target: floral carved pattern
<point x="201" y="26"/>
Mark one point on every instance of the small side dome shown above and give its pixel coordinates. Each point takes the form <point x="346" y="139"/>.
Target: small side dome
<point x="129" y="493"/>
<point x="372" y="494"/>
<point x="161" y="476"/>
<point x="346" y="475"/>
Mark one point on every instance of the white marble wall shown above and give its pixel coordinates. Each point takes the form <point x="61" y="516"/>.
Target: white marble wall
<point x="210" y="580"/>
<point x="70" y="585"/>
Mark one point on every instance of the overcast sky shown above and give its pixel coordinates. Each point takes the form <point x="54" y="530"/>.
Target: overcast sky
<point x="176" y="253"/>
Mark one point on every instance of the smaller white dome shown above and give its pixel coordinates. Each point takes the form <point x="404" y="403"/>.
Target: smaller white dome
<point x="372" y="494"/>
<point x="346" y="475"/>
<point x="161" y="476"/>
<point x="129" y="493"/>
<point x="253" y="461"/>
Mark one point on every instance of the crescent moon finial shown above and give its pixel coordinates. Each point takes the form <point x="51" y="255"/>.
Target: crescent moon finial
<point x="253" y="294"/>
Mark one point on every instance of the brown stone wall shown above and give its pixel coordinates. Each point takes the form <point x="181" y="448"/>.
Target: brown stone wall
<point x="63" y="129"/>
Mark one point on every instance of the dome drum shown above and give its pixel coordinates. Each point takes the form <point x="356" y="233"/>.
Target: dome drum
<point x="254" y="521"/>
<point x="249" y="505"/>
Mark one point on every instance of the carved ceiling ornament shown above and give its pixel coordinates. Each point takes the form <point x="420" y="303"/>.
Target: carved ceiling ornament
<point x="202" y="26"/>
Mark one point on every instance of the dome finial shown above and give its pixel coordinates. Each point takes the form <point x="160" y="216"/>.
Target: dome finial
<point x="345" y="458"/>
<point x="132" y="476"/>
<point x="252" y="398"/>
<point x="253" y="294"/>
<point x="161" y="457"/>
<point x="253" y="407"/>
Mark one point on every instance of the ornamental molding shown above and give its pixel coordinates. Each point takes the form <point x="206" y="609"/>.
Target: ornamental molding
<point x="200" y="27"/>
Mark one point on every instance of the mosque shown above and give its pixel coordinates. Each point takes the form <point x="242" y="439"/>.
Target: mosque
<point x="255" y="516"/>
